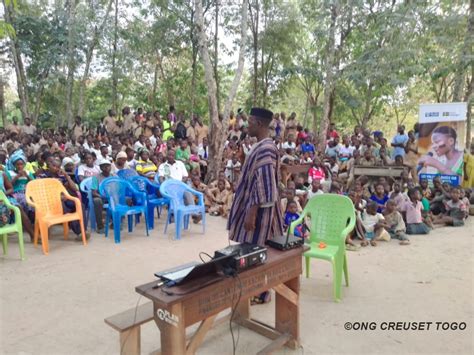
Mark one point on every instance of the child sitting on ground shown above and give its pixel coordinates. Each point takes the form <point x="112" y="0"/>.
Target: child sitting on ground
<point x="395" y="222"/>
<point x="291" y="214"/>
<point x="379" y="197"/>
<point x="374" y="225"/>
<point x="218" y="198"/>
<point x="456" y="210"/>
<point x="413" y="216"/>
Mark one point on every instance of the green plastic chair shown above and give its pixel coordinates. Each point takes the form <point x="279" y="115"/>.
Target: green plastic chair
<point x="332" y="219"/>
<point x="12" y="228"/>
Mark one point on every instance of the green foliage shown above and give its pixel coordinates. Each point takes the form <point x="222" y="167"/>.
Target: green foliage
<point x="390" y="56"/>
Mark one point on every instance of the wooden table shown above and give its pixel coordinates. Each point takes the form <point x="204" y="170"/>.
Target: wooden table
<point x="385" y="171"/>
<point x="196" y="302"/>
<point x="288" y="170"/>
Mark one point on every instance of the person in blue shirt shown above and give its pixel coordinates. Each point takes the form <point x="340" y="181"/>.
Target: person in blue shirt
<point x="380" y="197"/>
<point x="399" y="142"/>
<point x="308" y="147"/>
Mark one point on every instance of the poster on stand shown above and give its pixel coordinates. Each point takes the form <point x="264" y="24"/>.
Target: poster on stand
<point x="442" y="128"/>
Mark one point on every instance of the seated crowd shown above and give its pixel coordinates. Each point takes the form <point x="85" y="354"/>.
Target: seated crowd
<point x="173" y="147"/>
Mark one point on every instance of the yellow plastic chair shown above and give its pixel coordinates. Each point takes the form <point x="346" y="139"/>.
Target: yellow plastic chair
<point x="44" y="195"/>
<point x="332" y="219"/>
<point x="12" y="228"/>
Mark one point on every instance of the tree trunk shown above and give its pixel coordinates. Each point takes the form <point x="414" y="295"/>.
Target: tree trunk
<point x="464" y="56"/>
<point x="114" y="59"/>
<point x="194" y="54"/>
<point x="2" y="101"/>
<point x="469" y="98"/>
<point x="22" y="87"/>
<point x="217" y="129"/>
<point x="215" y="125"/>
<point x="255" y="20"/>
<point x="89" y="56"/>
<point x="329" y="82"/>
<point x="216" y="54"/>
<point x="155" y="86"/>
<point x="70" y="61"/>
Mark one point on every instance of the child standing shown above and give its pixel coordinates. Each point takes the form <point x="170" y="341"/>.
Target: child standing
<point x="395" y="222"/>
<point x="413" y="216"/>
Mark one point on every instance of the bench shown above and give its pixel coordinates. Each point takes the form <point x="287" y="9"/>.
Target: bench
<point x="385" y="171"/>
<point x="288" y="170"/>
<point x="128" y="326"/>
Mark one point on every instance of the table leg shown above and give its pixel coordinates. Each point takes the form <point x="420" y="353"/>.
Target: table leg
<point x="287" y="313"/>
<point x="172" y="329"/>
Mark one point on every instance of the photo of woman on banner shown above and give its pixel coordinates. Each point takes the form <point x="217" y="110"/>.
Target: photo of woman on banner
<point x="443" y="158"/>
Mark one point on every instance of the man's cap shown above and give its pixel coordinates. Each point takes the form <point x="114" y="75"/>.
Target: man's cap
<point x="67" y="161"/>
<point x="104" y="161"/>
<point x="261" y="113"/>
<point x="121" y="154"/>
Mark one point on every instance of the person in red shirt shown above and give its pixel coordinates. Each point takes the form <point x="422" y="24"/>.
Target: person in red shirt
<point x="332" y="133"/>
<point x="316" y="172"/>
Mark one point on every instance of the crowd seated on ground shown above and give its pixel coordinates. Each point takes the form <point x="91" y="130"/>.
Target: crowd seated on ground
<point x="174" y="146"/>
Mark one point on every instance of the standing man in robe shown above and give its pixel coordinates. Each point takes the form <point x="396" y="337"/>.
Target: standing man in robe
<point x="255" y="215"/>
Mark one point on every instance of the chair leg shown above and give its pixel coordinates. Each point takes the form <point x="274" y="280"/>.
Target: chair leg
<point x="116" y="220"/>
<point x="20" y="243"/>
<point x="337" y="277"/>
<point x="36" y="234"/>
<point x="150" y="218"/>
<point x="168" y="218"/>
<point x="107" y="222"/>
<point x="203" y="221"/>
<point x="178" y="223"/>
<point x="147" y="217"/>
<point x="66" y="230"/>
<point x="346" y="274"/>
<point x="308" y="263"/>
<point x="44" y="237"/>
<point x="130" y="222"/>
<point x="83" y="231"/>
<point x="5" y="243"/>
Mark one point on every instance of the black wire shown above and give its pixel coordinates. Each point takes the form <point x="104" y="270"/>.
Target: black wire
<point x="200" y="257"/>
<point x="134" y="317"/>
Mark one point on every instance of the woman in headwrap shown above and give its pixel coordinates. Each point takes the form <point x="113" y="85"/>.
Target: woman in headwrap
<point x="15" y="188"/>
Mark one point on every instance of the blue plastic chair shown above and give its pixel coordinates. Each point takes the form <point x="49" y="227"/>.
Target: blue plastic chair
<point x="86" y="186"/>
<point x="174" y="190"/>
<point x="145" y="185"/>
<point x="116" y="191"/>
<point x="126" y="173"/>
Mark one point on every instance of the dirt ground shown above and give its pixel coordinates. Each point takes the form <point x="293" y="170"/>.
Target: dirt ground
<point x="56" y="304"/>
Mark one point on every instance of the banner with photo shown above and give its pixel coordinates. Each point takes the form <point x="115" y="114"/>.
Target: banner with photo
<point x="441" y="141"/>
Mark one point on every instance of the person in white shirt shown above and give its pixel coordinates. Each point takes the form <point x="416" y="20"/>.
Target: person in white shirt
<point x="140" y="143"/>
<point x="172" y="169"/>
<point x="289" y="143"/>
<point x="175" y="169"/>
<point x="232" y="169"/>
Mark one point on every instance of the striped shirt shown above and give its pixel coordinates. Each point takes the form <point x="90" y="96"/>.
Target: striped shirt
<point x="258" y="186"/>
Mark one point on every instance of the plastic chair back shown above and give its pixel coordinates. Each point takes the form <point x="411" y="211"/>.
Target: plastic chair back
<point x="126" y="173"/>
<point x="174" y="190"/>
<point x="86" y="186"/>
<point x="116" y="191"/>
<point x="330" y="214"/>
<point x="46" y="195"/>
